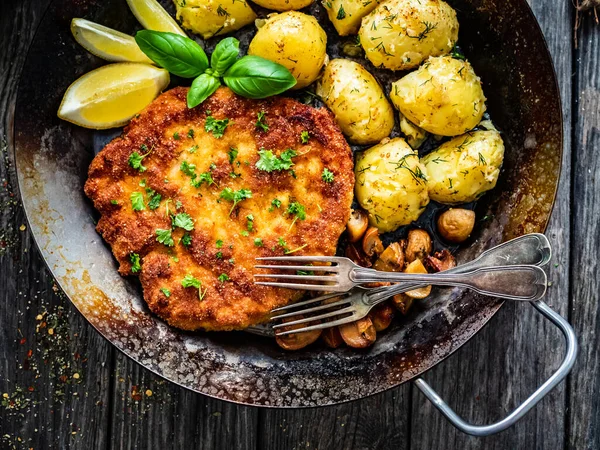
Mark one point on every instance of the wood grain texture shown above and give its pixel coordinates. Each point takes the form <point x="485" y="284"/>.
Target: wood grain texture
<point x="519" y="349"/>
<point x="584" y="417"/>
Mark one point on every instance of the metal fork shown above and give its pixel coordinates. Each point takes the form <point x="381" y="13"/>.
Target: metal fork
<point x="531" y="249"/>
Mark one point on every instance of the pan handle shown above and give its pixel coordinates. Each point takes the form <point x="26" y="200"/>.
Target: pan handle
<point x="517" y="414"/>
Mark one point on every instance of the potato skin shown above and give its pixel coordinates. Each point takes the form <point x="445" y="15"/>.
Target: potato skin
<point x="212" y="17"/>
<point x="294" y="40"/>
<point x="443" y="96"/>
<point x="345" y="15"/>
<point x="284" y="5"/>
<point x="400" y="34"/>
<point x="360" y="107"/>
<point x="464" y="168"/>
<point x="391" y="184"/>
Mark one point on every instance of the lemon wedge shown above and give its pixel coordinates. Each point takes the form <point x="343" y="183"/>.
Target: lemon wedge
<point x="152" y="16"/>
<point x="107" y="43"/>
<point x="110" y="96"/>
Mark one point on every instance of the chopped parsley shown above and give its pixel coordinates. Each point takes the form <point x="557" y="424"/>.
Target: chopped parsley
<point x="190" y="281"/>
<point x="250" y="222"/>
<point x="219" y="255"/>
<point x="296" y="209"/>
<point x="261" y="123"/>
<point x="193" y="149"/>
<point x="114" y="202"/>
<point x="205" y="177"/>
<point x="275" y="203"/>
<point x="188" y="169"/>
<point x="186" y="239"/>
<point x="223" y="277"/>
<point x="258" y="242"/>
<point x="190" y="133"/>
<point x="304" y="272"/>
<point x="217" y="127"/>
<point x="270" y="162"/>
<point x="176" y="136"/>
<point x="165" y="237"/>
<point x="135" y="161"/>
<point x="281" y="242"/>
<point x="154" y="202"/>
<point x="183" y="220"/>
<point x="235" y="196"/>
<point x="245" y="233"/>
<point x="137" y="201"/>
<point x="166" y="292"/>
<point x="134" y="258"/>
<point x="233" y="152"/>
<point x="219" y="243"/>
<point x="327" y="175"/>
<point x="304" y="137"/>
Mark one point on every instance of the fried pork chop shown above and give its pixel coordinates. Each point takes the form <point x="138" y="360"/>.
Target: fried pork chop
<point x="190" y="197"/>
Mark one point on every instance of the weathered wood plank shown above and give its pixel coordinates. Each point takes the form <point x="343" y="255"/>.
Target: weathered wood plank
<point x="149" y="412"/>
<point x="53" y="377"/>
<point x="518" y="350"/>
<point x="378" y="422"/>
<point x="584" y="408"/>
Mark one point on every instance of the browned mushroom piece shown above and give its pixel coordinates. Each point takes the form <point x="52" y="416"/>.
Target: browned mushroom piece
<point x="417" y="267"/>
<point x="357" y="255"/>
<point x="359" y="334"/>
<point x="440" y="261"/>
<point x="357" y="225"/>
<point x="391" y="260"/>
<point x="296" y="341"/>
<point x="402" y="302"/>
<point x="456" y="224"/>
<point x="371" y="243"/>
<point x="381" y="316"/>
<point x="418" y="245"/>
<point x="332" y="337"/>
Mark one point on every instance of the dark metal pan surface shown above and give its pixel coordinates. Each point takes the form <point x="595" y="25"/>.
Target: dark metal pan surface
<point x="503" y="42"/>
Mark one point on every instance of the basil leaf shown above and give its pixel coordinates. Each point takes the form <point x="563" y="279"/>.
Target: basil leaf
<point x="225" y="54"/>
<point x="202" y="88"/>
<point x="256" y="77"/>
<point x="178" y="54"/>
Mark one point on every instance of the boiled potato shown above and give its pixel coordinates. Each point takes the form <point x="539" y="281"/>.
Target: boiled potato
<point x="415" y="136"/>
<point x="400" y="34"/>
<point x="391" y="184"/>
<point x="360" y="107"/>
<point x="444" y="96"/>
<point x="345" y="15"/>
<point x="294" y="40"/>
<point x="283" y="5"/>
<point x="212" y="17"/>
<point x="464" y="168"/>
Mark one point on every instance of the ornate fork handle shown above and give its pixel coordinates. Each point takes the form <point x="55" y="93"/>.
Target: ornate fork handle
<point x="525" y="283"/>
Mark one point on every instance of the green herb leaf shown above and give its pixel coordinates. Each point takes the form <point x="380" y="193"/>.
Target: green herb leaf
<point x="190" y="281"/>
<point x="154" y="202"/>
<point x="217" y="127"/>
<point x="341" y="14"/>
<point x="256" y="77"/>
<point x="165" y="237"/>
<point x="186" y="239"/>
<point x="235" y="196"/>
<point x="190" y="133"/>
<point x="135" y="161"/>
<point x="296" y="209"/>
<point x="114" y="202"/>
<point x="233" y="152"/>
<point x="327" y="175"/>
<point x="205" y="177"/>
<point x="178" y="54"/>
<point x="176" y="136"/>
<point x="304" y="137"/>
<point x="134" y="258"/>
<point x="261" y="123"/>
<point x="219" y="243"/>
<point x="166" y="292"/>
<point x="269" y="162"/>
<point x="137" y="201"/>
<point x="258" y="242"/>
<point x="202" y="87"/>
<point x="183" y="220"/>
<point x="225" y="54"/>
<point x="187" y="168"/>
<point x="223" y="277"/>
<point x="275" y="203"/>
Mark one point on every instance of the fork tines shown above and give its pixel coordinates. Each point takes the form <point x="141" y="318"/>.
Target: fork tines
<point x="328" y="281"/>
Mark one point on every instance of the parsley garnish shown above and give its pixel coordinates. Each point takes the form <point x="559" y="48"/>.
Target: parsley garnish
<point x="258" y="242"/>
<point x="260" y="123"/>
<point x="190" y="133"/>
<point x="217" y="127"/>
<point x="176" y="135"/>
<point x="219" y="243"/>
<point x="166" y="292"/>
<point x="219" y="255"/>
<point x="114" y="202"/>
<point x="250" y="222"/>
<point x="233" y="152"/>
<point x="235" y="196"/>
<point x="223" y="277"/>
<point x="154" y="202"/>
<point x="183" y="220"/>
<point x="297" y="209"/>
<point x="245" y="233"/>
<point x="205" y="177"/>
<point x="188" y="169"/>
<point x="135" y="161"/>
<point x="269" y="162"/>
<point x="134" y="258"/>
<point x="165" y="237"/>
<point x="275" y="203"/>
<point x="193" y="149"/>
<point x="327" y="175"/>
<point x="281" y="242"/>
<point x="186" y="239"/>
<point x="190" y="281"/>
<point x="304" y="137"/>
<point x="137" y="201"/>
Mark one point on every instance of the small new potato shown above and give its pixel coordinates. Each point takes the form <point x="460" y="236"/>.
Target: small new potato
<point x="456" y="224"/>
<point x="213" y="17"/>
<point x="283" y="5"/>
<point x="360" y="107"/>
<point x="294" y="40"/>
<point x="464" y="168"/>
<point x="443" y="96"/>
<point x="401" y="34"/>
<point x="345" y="15"/>
<point x="391" y="184"/>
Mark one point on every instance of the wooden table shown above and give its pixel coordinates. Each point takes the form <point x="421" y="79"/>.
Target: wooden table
<point x="69" y="388"/>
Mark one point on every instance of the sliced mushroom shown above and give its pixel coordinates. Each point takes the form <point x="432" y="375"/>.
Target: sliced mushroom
<point x="418" y="245"/>
<point x="381" y="316"/>
<point x="391" y="260"/>
<point x="402" y="302"/>
<point x="296" y="341"/>
<point x="357" y="225"/>
<point x="359" y="334"/>
<point x="357" y="255"/>
<point x="332" y="337"/>
<point x="440" y="261"/>
<point x="417" y="267"/>
<point x="456" y="225"/>
<point x="371" y="243"/>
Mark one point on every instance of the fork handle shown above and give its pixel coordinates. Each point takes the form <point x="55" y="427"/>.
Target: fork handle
<point x="525" y="283"/>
